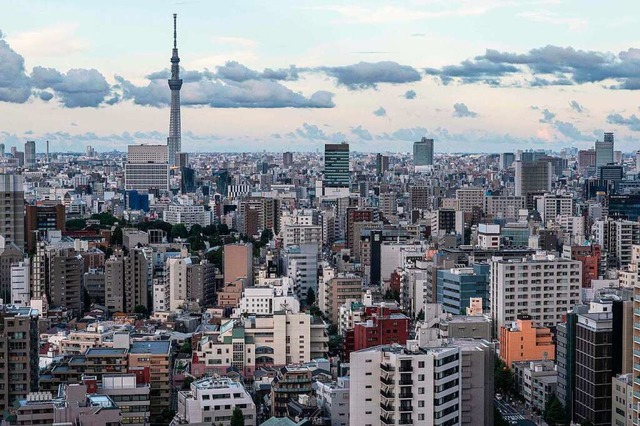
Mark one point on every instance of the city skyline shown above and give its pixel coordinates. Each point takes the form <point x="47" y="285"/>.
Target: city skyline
<point x="550" y="75"/>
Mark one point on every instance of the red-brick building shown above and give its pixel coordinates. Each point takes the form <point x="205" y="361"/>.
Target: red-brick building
<point x="382" y="327"/>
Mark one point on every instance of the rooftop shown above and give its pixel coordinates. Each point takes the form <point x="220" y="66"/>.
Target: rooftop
<point x="157" y="347"/>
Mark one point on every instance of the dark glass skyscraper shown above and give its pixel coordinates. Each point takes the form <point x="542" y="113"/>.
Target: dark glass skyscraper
<point x="423" y="152"/>
<point x="336" y="165"/>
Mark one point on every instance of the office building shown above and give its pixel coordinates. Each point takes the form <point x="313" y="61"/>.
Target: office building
<point x="503" y="206"/>
<point x="536" y="381"/>
<point x="146" y="169"/>
<point x="622" y="399"/>
<point x="423" y="152"/>
<point x="541" y="285"/>
<point x="616" y="237"/>
<point x="12" y="210"/>
<point x="604" y="151"/>
<point x="336" y="166"/>
<point x="42" y="218"/>
<point x="300" y="263"/>
<point x="382" y="164"/>
<point x="30" y="154"/>
<point x="187" y="180"/>
<point x="586" y="158"/>
<point x="130" y="394"/>
<point x="381" y="328"/>
<point x="212" y="401"/>
<point x="336" y="291"/>
<point x="506" y="160"/>
<point x="333" y="399"/>
<point x="624" y="206"/>
<point x="138" y="278"/>
<point x="18" y="354"/>
<point x="532" y="177"/>
<point x="287" y="159"/>
<point x="457" y="286"/>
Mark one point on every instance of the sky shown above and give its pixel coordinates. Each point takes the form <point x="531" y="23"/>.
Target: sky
<point x="475" y="75"/>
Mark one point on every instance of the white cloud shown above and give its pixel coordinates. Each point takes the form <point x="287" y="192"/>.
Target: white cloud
<point x="52" y="41"/>
<point x="548" y="17"/>
<point x="236" y="41"/>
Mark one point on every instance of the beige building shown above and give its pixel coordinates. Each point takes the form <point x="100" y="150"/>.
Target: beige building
<point x="468" y="198"/>
<point x="155" y="355"/>
<point x="12" y="209"/>
<point x="622" y="400"/>
<point x="336" y="291"/>
<point x="261" y="341"/>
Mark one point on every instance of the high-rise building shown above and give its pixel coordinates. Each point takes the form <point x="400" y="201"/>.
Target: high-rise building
<point x="2" y="150"/>
<point x="468" y="198"/>
<point x="532" y="177"/>
<point x="188" y="180"/>
<point x="382" y="164"/>
<point x="604" y="150"/>
<point x="114" y="282"/>
<point x="12" y="209"/>
<point x="146" y="168"/>
<point x="138" y="278"/>
<point x="30" y="154"/>
<point x="287" y="159"/>
<point x="65" y="280"/>
<point x="174" y="143"/>
<point x="18" y="354"/>
<point x="423" y="152"/>
<point x="42" y="218"/>
<point x="616" y="237"/>
<point x="336" y="165"/>
<point x="586" y="158"/>
<point x="506" y="160"/>
<point x="521" y="341"/>
<point x="546" y="303"/>
<point x="156" y="357"/>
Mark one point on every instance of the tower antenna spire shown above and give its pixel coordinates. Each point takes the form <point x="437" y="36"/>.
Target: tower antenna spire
<point x="175" y="32"/>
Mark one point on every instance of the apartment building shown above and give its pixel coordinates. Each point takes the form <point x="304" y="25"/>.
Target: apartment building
<point x="521" y="341"/>
<point x="212" y="401"/>
<point x="541" y="285"/>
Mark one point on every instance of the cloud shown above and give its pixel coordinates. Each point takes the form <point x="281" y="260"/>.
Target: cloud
<point x="380" y="112"/>
<point x="547" y="116"/>
<point x="550" y="65"/>
<point x="575" y="106"/>
<point x="218" y="93"/>
<point x="15" y="85"/>
<point x="407" y="134"/>
<point x="367" y="75"/>
<point x="313" y="132"/>
<point x="53" y="41"/>
<point x="76" y="88"/>
<point x="460" y="110"/>
<point x="236" y="41"/>
<point x="362" y="133"/>
<point x="570" y="131"/>
<point x="45" y="96"/>
<point x="632" y="122"/>
<point x="410" y="94"/>
<point x="548" y="17"/>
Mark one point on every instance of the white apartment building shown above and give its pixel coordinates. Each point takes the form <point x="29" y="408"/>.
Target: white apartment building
<point x="542" y="285"/>
<point x="267" y="299"/>
<point x="187" y="214"/>
<point x="468" y="198"/>
<point x="488" y="236"/>
<point x="177" y="272"/>
<point x="394" y="385"/>
<point x="551" y="205"/>
<point x="296" y="234"/>
<point x="630" y="276"/>
<point x="212" y="400"/>
<point x="256" y="341"/>
<point x="147" y="168"/>
<point x="622" y="400"/>
<point x="333" y="399"/>
<point x="20" y="283"/>
<point x="503" y="206"/>
<point x="300" y="263"/>
<point x="573" y="226"/>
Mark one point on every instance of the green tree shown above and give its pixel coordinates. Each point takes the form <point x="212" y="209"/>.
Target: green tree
<point x="237" y="418"/>
<point x="504" y="378"/>
<point x="141" y="310"/>
<point x="186" y="384"/>
<point x="116" y="237"/>
<point x="223" y="229"/>
<point x="75" y="224"/>
<point x="179" y="231"/>
<point x="311" y="297"/>
<point x="554" y="412"/>
<point x="185" y="348"/>
<point x="420" y="316"/>
<point x="195" y="231"/>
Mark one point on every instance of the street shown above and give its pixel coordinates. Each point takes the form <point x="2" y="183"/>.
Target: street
<point x="511" y="414"/>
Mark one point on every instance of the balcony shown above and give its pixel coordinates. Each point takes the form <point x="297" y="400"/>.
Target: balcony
<point x="405" y="395"/>
<point x="406" y="382"/>
<point x="387" y="380"/>
<point x="387" y="367"/>
<point x="388" y="408"/>
<point x="387" y="420"/>
<point x="406" y="368"/>
<point x="405" y="408"/>
<point x="387" y="394"/>
<point x="406" y="421"/>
